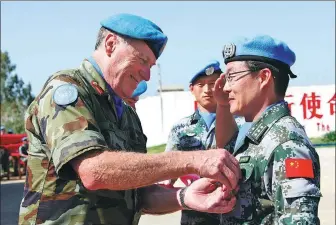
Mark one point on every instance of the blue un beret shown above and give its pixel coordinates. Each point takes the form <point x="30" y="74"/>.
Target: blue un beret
<point x="141" y="88"/>
<point x="138" y="28"/>
<point x="261" y="48"/>
<point x="209" y="69"/>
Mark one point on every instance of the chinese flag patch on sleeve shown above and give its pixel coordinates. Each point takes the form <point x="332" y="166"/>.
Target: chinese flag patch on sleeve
<point x="299" y="168"/>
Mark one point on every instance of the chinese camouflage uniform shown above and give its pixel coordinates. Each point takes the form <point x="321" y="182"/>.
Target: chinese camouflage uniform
<point x="266" y="195"/>
<point x="53" y="193"/>
<point x="190" y="134"/>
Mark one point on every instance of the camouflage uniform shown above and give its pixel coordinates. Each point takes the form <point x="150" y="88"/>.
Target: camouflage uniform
<point x="266" y="195"/>
<point x="53" y="193"/>
<point x="189" y="134"/>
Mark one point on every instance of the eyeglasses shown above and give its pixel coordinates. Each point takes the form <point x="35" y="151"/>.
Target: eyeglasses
<point x="229" y="76"/>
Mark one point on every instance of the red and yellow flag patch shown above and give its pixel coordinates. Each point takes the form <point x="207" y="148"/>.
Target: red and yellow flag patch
<point x="296" y="167"/>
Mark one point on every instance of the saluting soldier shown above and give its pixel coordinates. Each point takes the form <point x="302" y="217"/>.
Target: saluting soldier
<point x="197" y="131"/>
<point x="281" y="169"/>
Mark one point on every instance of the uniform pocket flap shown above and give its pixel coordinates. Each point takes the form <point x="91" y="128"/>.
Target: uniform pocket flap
<point x="247" y="170"/>
<point x="189" y="142"/>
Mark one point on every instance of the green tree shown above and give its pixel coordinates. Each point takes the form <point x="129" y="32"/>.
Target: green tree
<point x="15" y="96"/>
<point x="329" y="137"/>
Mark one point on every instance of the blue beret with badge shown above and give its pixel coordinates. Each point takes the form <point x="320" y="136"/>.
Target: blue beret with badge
<point x="261" y="48"/>
<point x="209" y="69"/>
<point x="138" y="28"/>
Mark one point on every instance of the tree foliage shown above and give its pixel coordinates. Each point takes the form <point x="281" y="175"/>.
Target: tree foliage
<point x="329" y="137"/>
<point x="15" y="96"/>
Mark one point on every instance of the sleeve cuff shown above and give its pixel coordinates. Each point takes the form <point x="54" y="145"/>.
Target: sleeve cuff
<point x="71" y="147"/>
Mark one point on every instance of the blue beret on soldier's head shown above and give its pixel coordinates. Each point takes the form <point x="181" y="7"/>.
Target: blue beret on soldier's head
<point x="138" y="28"/>
<point x="2" y="128"/>
<point x="209" y="69"/>
<point x="261" y="48"/>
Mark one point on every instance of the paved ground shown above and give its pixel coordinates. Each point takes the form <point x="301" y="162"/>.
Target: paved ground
<point x="11" y="192"/>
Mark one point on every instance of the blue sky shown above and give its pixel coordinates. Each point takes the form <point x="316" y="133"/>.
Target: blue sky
<point x="44" y="37"/>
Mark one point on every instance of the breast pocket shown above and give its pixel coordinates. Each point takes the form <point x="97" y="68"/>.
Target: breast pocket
<point x="114" y="137"/>
<point x="245" y="207"/>
<point x="189" y="142"/>
<point x="138" y="141"/>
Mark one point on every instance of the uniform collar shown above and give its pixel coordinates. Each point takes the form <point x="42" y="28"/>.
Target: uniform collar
<point x="100" y="85"/>
<point x="208" y="118"/>
<point x="256" y="130"/>
<point x="94" y="76"/>
<point x="197" y="118"/>
<point x="271" y="115"/>
<point x="95" y="65"/>
<point x="98" y="71"/>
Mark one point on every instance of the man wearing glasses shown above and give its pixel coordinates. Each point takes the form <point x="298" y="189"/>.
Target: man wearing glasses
<point x="280" y="167"/>
<point x="197" y="131"/>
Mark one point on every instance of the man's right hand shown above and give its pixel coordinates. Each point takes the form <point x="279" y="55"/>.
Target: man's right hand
<point x="206" y="195"/>
<point x="219" y="165"/>
<point x="221" y="97"/>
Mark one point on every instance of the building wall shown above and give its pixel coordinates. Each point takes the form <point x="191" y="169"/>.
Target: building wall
<point x="313" y="106"/>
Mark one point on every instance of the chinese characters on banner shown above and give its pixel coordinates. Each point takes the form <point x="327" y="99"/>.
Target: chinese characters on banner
<point x="314" y="107"/>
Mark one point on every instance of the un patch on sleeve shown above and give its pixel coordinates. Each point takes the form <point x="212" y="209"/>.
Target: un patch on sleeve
<point x="65" y="94"/>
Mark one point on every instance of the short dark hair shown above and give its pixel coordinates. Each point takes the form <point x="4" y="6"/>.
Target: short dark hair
<point x="281" y="77"/>
<point x="100" y="37"/>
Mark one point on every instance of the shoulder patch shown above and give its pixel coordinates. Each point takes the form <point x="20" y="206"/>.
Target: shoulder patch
<point x="65" y="94"/>
<point x="299" y="168"/>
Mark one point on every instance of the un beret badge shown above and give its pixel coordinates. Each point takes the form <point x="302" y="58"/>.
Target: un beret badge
<point x="209" y="70"/>
<point x="229" y="50"/>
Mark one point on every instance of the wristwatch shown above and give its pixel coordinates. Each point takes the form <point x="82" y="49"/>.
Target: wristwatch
<point x="181" y="195"/>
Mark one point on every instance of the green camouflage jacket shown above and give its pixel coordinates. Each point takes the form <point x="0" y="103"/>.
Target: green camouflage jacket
<point x="53" y="193"/>
<point x="189" y="134"/>
<point x="268" y="194"/>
